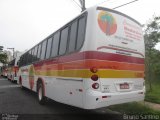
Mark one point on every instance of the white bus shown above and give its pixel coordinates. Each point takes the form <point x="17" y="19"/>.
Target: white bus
<point x="95" y="60"/>
<point x="12" y="69"/>
<point x="4" y="71"/>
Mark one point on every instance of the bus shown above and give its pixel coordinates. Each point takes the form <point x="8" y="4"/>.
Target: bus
<point x="4" y="71"/>
<point x="94" y="61"/>
<point x="13" y="69"/>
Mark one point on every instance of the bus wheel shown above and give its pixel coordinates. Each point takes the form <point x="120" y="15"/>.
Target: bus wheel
<point x="41" y="97"/>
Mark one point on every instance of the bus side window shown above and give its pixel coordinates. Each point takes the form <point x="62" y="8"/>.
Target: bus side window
<point x="49" y="45"/>
<point x="32" y="57"/>
<point x="35" y="54"/>
<point x="39" y="51"/>
<point x="18" y="63"/>
<point x="43" y="51"/>
<point x="81" y="32"/>
<point x="55" y="44"/>
<point x="29" y="57"/>
<point x="73" y="36"/>
<point x="63" y="41"/>
<point x="24" y="59"/>
<point x="21" y="61"/>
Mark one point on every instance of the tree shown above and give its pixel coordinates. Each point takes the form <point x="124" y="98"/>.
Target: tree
<point x="152" y="32"/>
<point x="3" y="58"/>
<point x="152" y="37"/>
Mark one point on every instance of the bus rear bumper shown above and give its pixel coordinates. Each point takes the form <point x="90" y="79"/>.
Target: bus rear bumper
<point x="96" y="99"/>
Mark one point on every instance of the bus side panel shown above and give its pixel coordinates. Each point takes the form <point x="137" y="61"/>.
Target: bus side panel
<point x="62" y="78"/>
<point x="24" y="73"/>
<point x="64" y="90"/>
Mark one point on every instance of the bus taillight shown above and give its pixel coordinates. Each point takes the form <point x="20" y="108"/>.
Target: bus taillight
<point x="93" y="69"/>
<point x="95" y="85"/>
<point x="94" y="77"/>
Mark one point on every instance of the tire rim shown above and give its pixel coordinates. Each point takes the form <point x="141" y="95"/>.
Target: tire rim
<point x="40" y="93"/>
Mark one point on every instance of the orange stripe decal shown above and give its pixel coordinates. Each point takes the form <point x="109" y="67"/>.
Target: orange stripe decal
<point x="88" y="74"/>
<point x="87" y="64"/>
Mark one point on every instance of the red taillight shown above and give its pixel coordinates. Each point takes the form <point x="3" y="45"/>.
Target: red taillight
<point x="93" y="69"/>
<point x="94" y="77"/>
<point x="95" y="85"/>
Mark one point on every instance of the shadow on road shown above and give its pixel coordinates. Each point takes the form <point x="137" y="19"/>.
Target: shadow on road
<point x="59" y="111"/>
<point x="24" y="103"/>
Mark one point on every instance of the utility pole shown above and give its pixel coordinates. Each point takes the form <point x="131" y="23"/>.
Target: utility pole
<point x="82" y="2"/>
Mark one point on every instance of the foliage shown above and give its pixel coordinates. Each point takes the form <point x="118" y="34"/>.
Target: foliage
<point x="154" y="95"/>
<point x="3" y="58"/>
<point x="152" y="32"/>
<point x="152" y="37"/>
<point x="155" y="61"/>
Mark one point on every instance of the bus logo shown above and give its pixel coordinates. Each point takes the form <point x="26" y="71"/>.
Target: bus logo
<point x="107" y="23"/>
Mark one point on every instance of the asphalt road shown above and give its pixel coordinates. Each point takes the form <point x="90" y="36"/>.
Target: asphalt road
<point x="22" y="104"/>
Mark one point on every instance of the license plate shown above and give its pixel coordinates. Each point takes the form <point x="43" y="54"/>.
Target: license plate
<point x="124" y="86"/>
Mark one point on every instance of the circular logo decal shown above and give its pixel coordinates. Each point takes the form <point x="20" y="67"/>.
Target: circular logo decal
<point x="31" y="76"/>
<point x="107" y="23"/>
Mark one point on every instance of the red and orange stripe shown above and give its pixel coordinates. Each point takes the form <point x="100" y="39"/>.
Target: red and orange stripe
<point x="78" y="65"/>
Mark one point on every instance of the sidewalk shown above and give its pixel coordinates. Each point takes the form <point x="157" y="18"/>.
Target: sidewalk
<point x="154" y="106"/>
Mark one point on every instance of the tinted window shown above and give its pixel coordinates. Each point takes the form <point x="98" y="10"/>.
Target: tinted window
<point x="43" y="51"/>
<point x="26" y="58"/>
<point x="21" y="61"/>
<point x="39" y="52"/>
<point x="29" y="57"/>
<point x="35" y="54"/>
<point x="12" y="63"/>
<point x="63" y="42"/>
<point x="49" y="44"/>
<point x="32" y="55"/>
<point x="81" y="32"/>
<point x="73" y="35"/>
<point x="55" y="45"/>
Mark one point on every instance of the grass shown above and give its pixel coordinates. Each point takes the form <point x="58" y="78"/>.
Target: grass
<point x="134" y="108"/>
<point x="154" y="94"/>
<point x="140" y="108"/>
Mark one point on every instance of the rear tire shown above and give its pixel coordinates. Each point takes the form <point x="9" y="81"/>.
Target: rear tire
<point x="40" y="91"/>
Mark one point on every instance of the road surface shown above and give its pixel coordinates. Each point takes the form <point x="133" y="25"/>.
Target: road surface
<point x="22" y="104"/>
